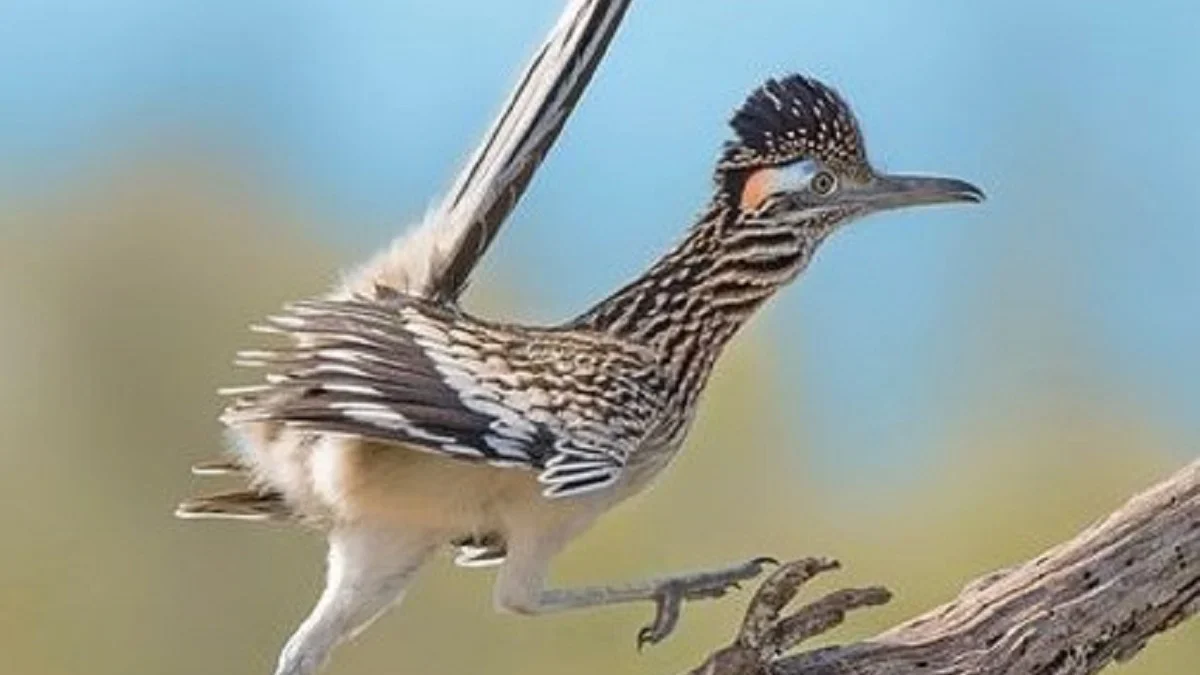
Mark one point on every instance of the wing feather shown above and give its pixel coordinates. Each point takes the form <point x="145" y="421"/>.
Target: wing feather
<point x="422" y="375"/>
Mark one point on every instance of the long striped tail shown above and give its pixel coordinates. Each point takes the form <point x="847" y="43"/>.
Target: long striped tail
<point x="435" y="259"/>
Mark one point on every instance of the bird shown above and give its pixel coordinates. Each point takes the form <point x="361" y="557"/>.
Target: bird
<point x="401" y="425"/>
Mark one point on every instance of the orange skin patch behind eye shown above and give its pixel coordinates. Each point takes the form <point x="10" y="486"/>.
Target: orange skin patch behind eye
<point x="758" y="185"/>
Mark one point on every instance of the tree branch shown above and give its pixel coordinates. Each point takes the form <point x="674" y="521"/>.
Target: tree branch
<point x="1071" y="611"/>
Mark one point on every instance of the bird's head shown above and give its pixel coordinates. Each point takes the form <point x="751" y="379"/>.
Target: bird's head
<point x="798" y="161"/>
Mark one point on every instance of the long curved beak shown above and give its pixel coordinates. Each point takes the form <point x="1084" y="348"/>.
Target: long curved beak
<point x="897" y="191"/>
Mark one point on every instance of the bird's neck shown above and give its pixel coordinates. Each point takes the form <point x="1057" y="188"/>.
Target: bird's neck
<point x="695" y="298"/>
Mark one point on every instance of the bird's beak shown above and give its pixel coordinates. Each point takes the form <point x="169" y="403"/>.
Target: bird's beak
<point x="895" y="191"/>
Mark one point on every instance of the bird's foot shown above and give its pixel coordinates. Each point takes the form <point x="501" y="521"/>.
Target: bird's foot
<point x="671" y="594"/>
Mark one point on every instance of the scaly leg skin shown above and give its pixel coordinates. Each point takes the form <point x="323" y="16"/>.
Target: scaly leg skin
<point x="368" y="570"/>
<point x="520" y="588"/>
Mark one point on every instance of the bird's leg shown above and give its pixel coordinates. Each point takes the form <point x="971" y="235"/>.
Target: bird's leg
<point x="368" y="570"/>
<point x="520" y="588"/>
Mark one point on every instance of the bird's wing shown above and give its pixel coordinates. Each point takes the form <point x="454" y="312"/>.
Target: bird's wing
<point x="435" y="259"/>
<point x="570" y="407"/>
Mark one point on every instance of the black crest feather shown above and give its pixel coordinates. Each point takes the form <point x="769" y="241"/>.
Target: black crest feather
<point x="793" y="118"/>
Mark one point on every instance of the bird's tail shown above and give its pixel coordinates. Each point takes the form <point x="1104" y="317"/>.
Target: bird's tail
<point x="435" y="259"/>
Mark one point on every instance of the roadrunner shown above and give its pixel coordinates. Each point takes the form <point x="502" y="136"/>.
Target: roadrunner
<point x="400" y="424"/>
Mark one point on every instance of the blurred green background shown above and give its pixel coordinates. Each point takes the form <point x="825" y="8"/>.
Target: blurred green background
<point x="944" y="393"/>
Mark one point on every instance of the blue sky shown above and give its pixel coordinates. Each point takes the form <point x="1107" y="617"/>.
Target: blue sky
<point x="1078" y="118"/>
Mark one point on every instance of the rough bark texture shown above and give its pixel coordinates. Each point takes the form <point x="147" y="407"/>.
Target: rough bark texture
<point x="1073" y="610"/>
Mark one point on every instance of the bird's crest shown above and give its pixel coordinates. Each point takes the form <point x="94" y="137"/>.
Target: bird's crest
<point x="793" y="118"/>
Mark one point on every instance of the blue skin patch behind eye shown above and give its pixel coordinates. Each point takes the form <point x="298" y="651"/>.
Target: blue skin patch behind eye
<point x="794" y="176"/>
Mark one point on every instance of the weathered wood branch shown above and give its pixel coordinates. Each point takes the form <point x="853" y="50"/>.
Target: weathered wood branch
<point x="1071" y="611"/>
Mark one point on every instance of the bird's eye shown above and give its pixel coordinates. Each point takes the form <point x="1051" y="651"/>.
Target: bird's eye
<point x="823" y="183"/>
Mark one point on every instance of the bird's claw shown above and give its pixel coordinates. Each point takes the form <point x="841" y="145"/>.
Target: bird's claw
<point x="646" y="636"/>
<point x="671" y="595"/>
